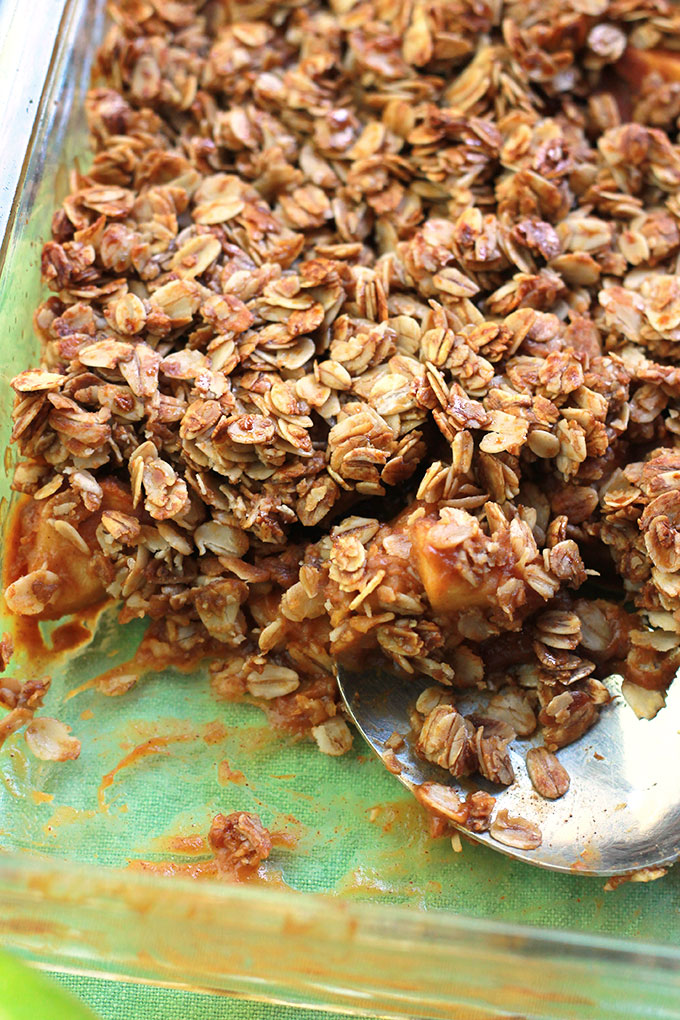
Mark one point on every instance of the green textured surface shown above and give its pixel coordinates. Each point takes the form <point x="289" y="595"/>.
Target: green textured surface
<point x="137" y="1002"/>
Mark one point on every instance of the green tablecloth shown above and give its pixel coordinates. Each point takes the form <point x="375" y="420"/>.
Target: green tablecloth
<point x="114" y="1001"/>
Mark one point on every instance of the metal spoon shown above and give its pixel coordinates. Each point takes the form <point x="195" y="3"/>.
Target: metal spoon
<point x="622" y="811"/>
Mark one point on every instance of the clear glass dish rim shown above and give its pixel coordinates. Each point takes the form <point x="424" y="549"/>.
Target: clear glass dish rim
<point x="320" y="951"/>
<point x="35" y="891"/>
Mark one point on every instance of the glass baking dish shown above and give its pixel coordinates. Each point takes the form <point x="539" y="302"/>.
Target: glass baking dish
<point x="357" y="910"/>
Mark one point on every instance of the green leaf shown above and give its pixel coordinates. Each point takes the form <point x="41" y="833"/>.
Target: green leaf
<point x="26" y="994"/>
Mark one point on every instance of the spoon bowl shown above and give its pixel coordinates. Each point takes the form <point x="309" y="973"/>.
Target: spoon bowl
<point x="621" y="813"/>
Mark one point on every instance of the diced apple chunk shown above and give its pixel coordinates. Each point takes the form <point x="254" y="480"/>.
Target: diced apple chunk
<point x="637" y="64"/>
<point x="54" y="574"/>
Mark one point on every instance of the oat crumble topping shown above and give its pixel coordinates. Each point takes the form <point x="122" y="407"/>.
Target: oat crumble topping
<point x="362" y="339"/>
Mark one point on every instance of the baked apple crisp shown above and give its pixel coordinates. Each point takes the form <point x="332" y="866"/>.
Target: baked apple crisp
<point x="362" y="340"/>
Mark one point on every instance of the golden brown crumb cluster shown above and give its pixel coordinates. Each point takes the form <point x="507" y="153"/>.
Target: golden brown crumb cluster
<point x="362" y="337"/>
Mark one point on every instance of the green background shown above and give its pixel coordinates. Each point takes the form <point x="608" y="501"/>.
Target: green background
<point x="137" y="1002"/>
